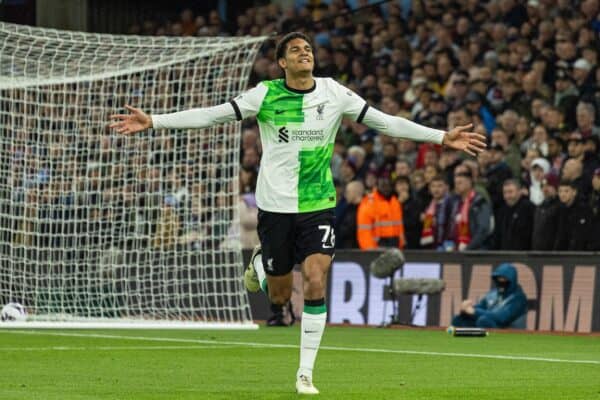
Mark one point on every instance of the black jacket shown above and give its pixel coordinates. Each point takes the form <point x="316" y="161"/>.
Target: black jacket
<point x="575" y="225"/>
<point x="514" y="226"/>
<point x="595" y="205"/>
<point x="411" y="216"/>
<point x="495" y="177"/>
<point x="545" y="224"/>
<point x="345" y="226"/>
<point x="584" y="187"/>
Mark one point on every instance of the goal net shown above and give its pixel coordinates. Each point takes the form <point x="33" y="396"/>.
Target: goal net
<point x="97" y="228"/>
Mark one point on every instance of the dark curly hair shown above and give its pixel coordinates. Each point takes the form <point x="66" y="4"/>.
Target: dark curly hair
<point x="282" y="44"/>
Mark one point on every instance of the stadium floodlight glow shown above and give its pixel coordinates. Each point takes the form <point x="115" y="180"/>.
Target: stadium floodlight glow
<point x="98" y="229"/>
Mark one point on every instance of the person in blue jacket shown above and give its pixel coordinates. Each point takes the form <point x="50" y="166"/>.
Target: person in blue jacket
<point x="505" y="306"/>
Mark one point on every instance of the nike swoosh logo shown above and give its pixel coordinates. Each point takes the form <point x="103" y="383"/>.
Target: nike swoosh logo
<point x="279" y="111"/>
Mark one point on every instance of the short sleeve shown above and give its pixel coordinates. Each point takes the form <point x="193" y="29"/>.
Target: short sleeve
<point x="248" y="103"/>
<point x="353" y="106"/>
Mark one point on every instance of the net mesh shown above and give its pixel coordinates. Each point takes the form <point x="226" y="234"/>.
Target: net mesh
<point x="98" y="225"/>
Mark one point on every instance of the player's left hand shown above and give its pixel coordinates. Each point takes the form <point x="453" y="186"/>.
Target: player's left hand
<point x="461" y="139"/>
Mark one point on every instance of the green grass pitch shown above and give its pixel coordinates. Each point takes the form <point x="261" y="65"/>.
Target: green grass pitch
<point x="354" y="363"/>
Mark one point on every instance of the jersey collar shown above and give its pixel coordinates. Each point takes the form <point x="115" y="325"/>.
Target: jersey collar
<point x="300" y="91"/>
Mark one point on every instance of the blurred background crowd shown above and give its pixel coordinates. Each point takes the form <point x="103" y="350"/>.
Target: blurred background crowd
<point x="525" y="73"/>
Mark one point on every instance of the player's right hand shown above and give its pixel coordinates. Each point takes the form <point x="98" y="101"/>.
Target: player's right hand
<point x="135" y="121"/>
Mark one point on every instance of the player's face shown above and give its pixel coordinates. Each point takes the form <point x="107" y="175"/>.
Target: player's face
<point x="298" y="58"/>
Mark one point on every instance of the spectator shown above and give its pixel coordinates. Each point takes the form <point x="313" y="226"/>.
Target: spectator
<point x="585" y="116"/>
<point x="347" y="172"/>
<point x="411" y="212"/>
<point x="539" y="140"/>
<point x="251" y="158"/>
<point x="575" y="219"/>
<point x="566" y="96"/>
<point x="502" y="307"/>
<point x="471" y="216"/>
<point x="495" y="175"/>
<point x="367" y="143"/>
<point x="539" y="168"/>
<point x="530" y="91"/>
<point x="357" y="159"/>
<point x="476" y="107"/>
<point x="345" y="216"/>
<point x="588" y="154"/>
<point x="515" y="219"/>
<point x="188" y="25"/>
<point x="449" y="160"/>
<point x="471" y="167"/>
<point x="595" y="206"/>
<point x="512" y="153"/>
<point x="407" y="152"/>
<point x="437" y="218"/>
<point x="458" y="90"/>
<point x="545" y="218"/>
<point x="573" y="172"/>
<point x="575" y="146"/>
<point x="379" y="219"/>
<point x="402" y="168"/>
<point x="554" y="121"/>
<point x="583" y="77"/>
<point x="422" y="195"/>
<point x="556" y="154"/>
<point x="595" y="195"/>
<point x="388" y="160"/>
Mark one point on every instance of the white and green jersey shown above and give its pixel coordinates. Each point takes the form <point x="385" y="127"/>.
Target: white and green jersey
<point x="297" y="130"/>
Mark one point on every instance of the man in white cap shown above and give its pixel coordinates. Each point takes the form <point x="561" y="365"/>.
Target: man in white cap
<point x="582" y="76"/>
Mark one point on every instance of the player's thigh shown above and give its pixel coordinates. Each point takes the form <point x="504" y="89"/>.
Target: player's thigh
<point x="315" y="240"/>
<point x="276" y="234"/>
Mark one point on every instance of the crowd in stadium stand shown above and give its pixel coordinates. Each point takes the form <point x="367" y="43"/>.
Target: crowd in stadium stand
<point x="525" y="73"/>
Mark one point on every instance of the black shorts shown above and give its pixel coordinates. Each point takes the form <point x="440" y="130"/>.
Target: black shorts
<point x="287" y="239"/>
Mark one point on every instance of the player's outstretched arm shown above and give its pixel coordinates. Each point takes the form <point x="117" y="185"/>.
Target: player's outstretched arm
<point x="459" y="138"/>
<point x="135" y="121"/>
<point x="243" y="106"/>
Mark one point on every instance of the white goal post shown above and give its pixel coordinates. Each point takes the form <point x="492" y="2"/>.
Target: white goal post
<point x="103" y="230"/>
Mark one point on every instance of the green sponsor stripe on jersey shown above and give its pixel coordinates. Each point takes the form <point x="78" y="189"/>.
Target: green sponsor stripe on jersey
<point x="280" y="106"/>
<point x="315" y="182"/>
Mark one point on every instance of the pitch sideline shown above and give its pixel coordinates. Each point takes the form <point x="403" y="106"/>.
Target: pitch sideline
<point x="291" y="346"/>
<point x="114" y="348"/>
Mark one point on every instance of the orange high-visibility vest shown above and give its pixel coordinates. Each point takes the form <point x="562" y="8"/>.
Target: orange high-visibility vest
<point x="379" y="218"/>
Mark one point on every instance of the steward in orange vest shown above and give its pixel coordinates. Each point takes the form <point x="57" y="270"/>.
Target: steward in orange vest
<point x="379" y="218"/>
